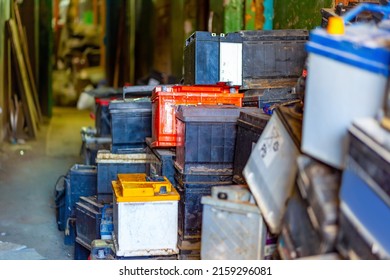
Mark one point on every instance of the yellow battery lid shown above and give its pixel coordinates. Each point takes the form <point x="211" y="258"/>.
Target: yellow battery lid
<point x="138" y="187"/>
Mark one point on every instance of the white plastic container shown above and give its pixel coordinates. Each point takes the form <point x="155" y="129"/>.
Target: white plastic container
<point x="232" y="226"/>
<point x="145" y="216"/>
<point x="347" y="77"/>
<point x="271" y="169"/>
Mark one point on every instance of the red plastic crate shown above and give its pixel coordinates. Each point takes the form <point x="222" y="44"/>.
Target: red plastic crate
<point x="166" y="99"/>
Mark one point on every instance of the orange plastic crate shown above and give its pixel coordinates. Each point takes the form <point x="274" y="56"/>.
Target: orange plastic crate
<point x="166" y="99"/>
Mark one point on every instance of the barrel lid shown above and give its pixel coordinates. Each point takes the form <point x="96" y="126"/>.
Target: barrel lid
<point x="138" y="187"/>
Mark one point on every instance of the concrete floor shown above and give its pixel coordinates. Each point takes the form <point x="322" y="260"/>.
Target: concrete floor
<point x="28" y="173"/>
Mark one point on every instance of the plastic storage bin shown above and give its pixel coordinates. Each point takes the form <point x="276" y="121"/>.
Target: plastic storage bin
<point x="145" y="216"/>
<point x="109" y="165"/>
<point x="166" y="99"/>
<point x="250" y="126"/>
<point x="131" y="121"/>
<point x="347" y="80"/>
<point x="233" y="228"/>
<point x="271" y="168"/>
<point x="272" y="58"/>
<point x="206" y="137"/>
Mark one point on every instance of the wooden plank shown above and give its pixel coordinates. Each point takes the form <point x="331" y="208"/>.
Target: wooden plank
<point x="32" y="113"/>
<point x="24" y="46"/>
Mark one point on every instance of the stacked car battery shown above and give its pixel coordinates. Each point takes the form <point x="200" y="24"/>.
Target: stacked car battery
<point x="364" y="227"/>
<point x="145" y="216"/>
<point x="195" y="165"/>
<point x="130" y="124"/>
<point x="99" y="137"/>
<point x="233" y="227"/>
<point x="206" y="137"/>
<point x="336" y="205"/>
<point x="310" y="224"/>
<point x="273" y="67"/>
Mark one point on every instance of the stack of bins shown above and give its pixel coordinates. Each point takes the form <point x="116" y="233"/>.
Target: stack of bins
<point x="206" y="137"/>
<point x="165" y="100"/>
<point x="145" y="216"/>
<point x="364" y="228"/>
<point x="130" y="124"/>
<point x="273" y="65"/>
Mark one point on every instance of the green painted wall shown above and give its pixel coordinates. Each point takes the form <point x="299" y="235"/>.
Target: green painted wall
<point x="299" y="14"/>
<point x="46" y="41"/>
<point x="4" y="16"/>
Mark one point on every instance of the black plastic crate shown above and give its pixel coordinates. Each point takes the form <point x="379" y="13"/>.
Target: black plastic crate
<point x="206" y="136"/>
<point x="190" y="207"/>
<point x="109" y="165"/>
<point x="272" y="56"/>
<point x="201" y="58"/>
<point x="131" y="121"/>
<point x="165" y="165"/>
<point x="89" y="214"/>
<point x="249" y="128"/>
